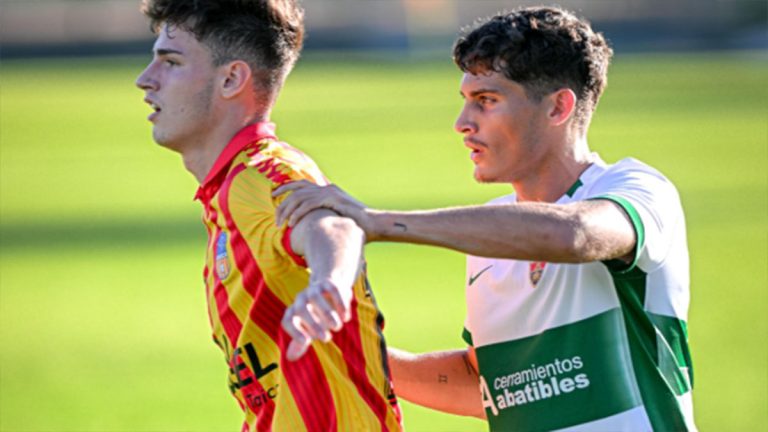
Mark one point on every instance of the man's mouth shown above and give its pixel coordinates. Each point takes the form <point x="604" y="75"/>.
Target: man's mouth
<point x="475" y="155"/>
<point x="155" y="109"/>
<point x="476" y="147"/>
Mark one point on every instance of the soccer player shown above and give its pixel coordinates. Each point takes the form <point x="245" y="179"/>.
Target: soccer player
<point x="578" y="286"/>
<point x="217" y="68"/>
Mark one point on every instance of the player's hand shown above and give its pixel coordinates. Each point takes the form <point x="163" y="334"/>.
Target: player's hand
<point x="317" y="311"/>
<point x="307" y="196"/>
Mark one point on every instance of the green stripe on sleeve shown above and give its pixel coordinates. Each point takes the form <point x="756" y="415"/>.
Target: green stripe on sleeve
<point x="637" y="223"/>
<point x="467" y="336"/>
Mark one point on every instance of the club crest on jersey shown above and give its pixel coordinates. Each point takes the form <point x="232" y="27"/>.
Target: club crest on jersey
<point x="222" y="259"/>
<point x="536" y="269"/>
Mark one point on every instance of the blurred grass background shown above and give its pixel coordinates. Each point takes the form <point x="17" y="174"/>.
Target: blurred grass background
<point x="102" y="317"/>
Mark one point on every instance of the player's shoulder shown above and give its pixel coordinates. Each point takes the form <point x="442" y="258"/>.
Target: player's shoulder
<point x="633" y="167"/>
<point x="633" y="173"/>
<point x="277" y="163"/>
<point x="629" y="178"/>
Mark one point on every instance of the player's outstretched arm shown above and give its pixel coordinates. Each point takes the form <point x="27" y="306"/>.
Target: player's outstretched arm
<point x="332" y="247"/>
<point x="583" y="231"/>
<point x="578" y="232"/>
<point x="446" y="381"/>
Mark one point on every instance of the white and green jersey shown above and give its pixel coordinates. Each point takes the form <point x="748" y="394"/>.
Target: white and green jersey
<point x="600" y="346"/>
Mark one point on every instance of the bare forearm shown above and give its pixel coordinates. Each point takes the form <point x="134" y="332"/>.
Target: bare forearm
<point x="530" y="231"/>
<point x="493" y="231"/>
<point x="445" y="381"/>
<point x="333" y="248"/>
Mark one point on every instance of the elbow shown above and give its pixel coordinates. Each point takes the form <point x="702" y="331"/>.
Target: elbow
<point x="577" y="245"/>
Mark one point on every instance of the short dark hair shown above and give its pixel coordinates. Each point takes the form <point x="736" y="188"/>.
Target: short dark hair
<point x="541" y="48"/>
<point x="267" y="34"/>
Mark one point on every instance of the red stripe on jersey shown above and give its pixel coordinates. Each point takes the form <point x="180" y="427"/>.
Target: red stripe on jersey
<point x="348" y="341"/>
<point x="305" y="377"/>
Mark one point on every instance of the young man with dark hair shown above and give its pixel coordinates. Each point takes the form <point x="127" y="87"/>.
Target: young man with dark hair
<point x="578" y="284"/>
<point x="218" y="67"/>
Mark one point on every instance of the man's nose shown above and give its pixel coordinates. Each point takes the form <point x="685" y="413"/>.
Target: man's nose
<point x="145" y="81"/>
<point x="463" y="124"/>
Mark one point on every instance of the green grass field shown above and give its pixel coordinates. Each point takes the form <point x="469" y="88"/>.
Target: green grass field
<point x="102" y="317"/>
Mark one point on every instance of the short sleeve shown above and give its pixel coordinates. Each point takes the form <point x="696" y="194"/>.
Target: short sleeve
<point x="652" y="204"/>
<point x="252" y="206"/>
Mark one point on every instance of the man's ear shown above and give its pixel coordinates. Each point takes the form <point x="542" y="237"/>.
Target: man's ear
<point x="563" y="105"/>
<point x="234" y="78"/>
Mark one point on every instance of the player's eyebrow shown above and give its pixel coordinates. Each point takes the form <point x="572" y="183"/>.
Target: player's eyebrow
<point x="167" y="51"/>
<point x="475" y="93"/>
<point x="478" y="92"/>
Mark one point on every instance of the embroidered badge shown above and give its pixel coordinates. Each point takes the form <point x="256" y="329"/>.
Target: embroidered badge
<point x="222" y="259"/>
<point x="537" y="268"/>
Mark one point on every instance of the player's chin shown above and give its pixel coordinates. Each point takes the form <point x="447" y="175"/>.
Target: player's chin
<point x="158" y="136"/>
<point x="481" y="176"/>
<point x="164" y="139"/>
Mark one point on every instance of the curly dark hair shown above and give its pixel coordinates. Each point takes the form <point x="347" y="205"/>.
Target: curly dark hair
<point x="541" y="48"/>
<point x="267" y="34"/>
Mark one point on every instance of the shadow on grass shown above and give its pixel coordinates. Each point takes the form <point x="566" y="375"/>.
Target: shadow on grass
<point x="21" y="236"/>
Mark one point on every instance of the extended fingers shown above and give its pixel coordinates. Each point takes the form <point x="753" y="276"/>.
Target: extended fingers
<point x="338" y="306"/>
<point x="311" y="317"/>
<point x="301" y="331"/>
<point x="297" y="348"/>
<point x="299" y="211"/>
<point x="290" y="187"/>
<point x="301" y="320"/>
<point x="325" y="314"/>
<point x="305" y="198"/>
<point x="298" y="204"/>
<point x="300" y="340"/>
<point x="286" y="208"/>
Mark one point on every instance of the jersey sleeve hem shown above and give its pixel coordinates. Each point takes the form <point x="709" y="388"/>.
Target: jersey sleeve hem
<point x="618" y="266"/>
<point x="287" y="245"/>
<point x="467" y="336"/>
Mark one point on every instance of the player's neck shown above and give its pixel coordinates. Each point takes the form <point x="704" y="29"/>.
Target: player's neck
<point x="200" y="159"/>
<point x="556" y="174"/>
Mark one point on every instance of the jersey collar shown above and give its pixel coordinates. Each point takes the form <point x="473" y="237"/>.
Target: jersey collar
<point x="585" y="178"/>
<point x="247" y="135"/>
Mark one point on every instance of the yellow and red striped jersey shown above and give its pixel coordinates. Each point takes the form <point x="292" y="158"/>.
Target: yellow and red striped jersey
<point x="252" y="274"/>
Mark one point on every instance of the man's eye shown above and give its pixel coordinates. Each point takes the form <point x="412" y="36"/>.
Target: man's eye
<point x="485" y="100"/>
<point x="171" y="62"/>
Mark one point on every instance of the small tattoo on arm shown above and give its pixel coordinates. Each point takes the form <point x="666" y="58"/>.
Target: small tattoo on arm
<point x="401" y="226"/>
<point x="442" y="378"/>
